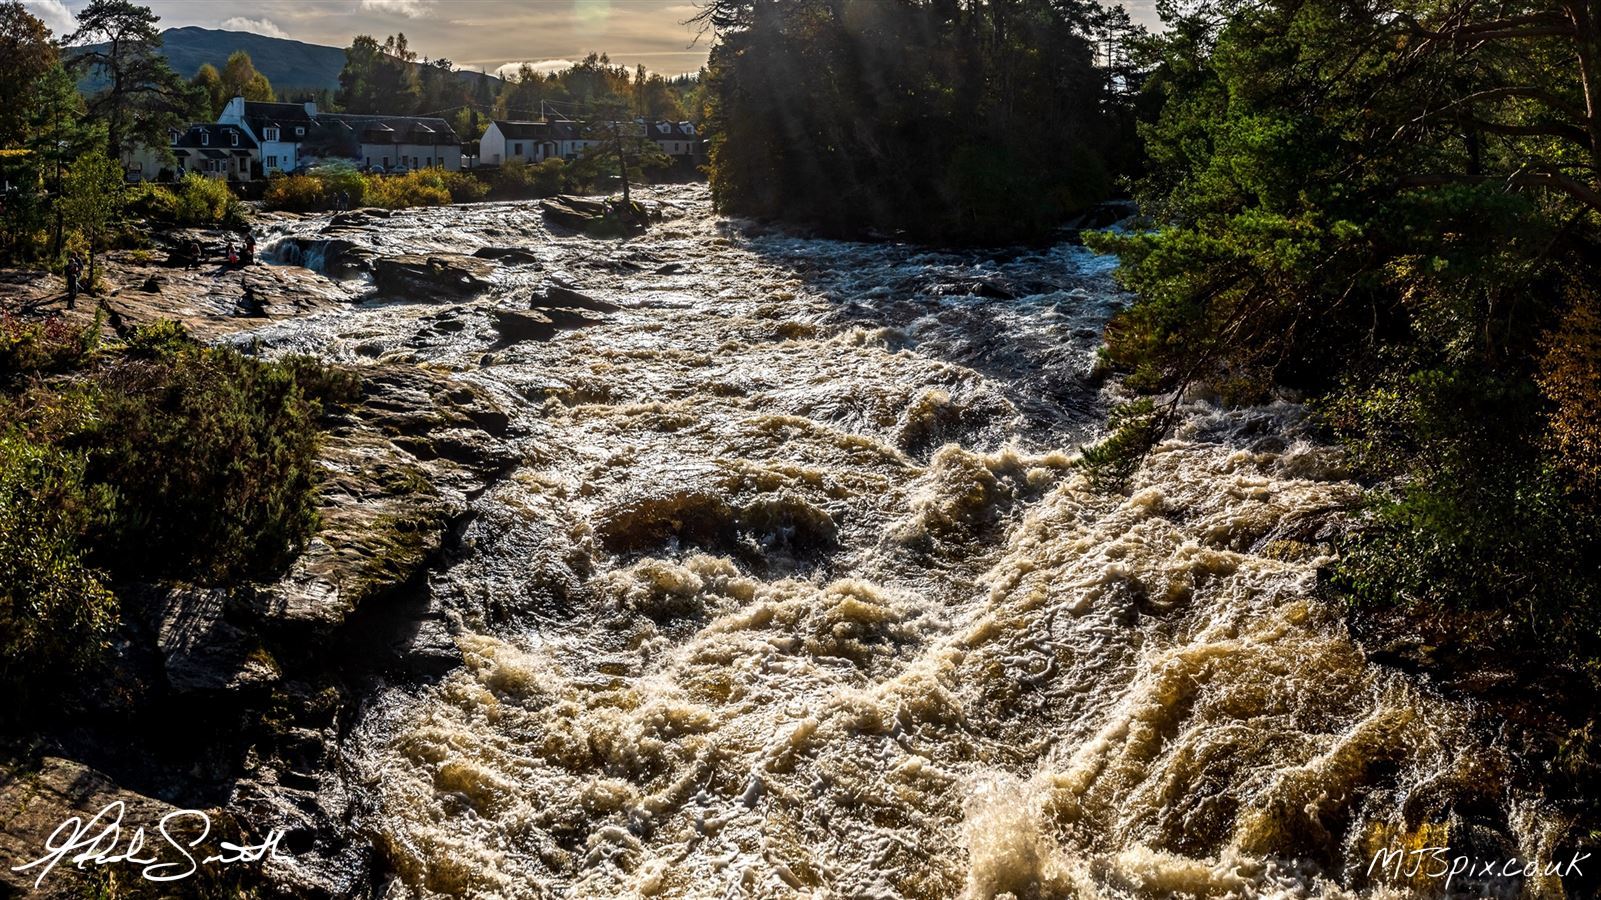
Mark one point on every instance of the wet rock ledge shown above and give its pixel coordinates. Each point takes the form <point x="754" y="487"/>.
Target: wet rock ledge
<point x="236" y="699"/>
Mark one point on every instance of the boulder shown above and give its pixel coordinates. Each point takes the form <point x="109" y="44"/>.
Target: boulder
<point x="511" y="256"/>
<point x="560" y="294"/>
<point x="435" y="277"/>
<point x="566" y="318"/>
<point x="595" y="217"/>
<point x="516" y="326"/>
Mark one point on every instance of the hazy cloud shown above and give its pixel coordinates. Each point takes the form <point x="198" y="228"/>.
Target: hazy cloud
<point x="258" y="26"/>
<point x="542" y="66"/>
<point x="54" y="14"/>
<point x="411" y="9"/>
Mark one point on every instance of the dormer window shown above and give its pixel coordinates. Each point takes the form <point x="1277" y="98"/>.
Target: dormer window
<point x="270" y="134"/>
<point x="173" y="137"/>
<point x="234" y="137"/>
<point x="205" y="138"/>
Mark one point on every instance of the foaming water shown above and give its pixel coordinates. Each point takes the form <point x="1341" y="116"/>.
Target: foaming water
<point x="798" y="594"/>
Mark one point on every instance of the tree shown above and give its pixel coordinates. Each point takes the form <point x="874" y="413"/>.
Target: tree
<point x="26" y="55"/>
<point x="622" y="148"/>
<point x="1389" y="206"/>
<point x="209" y="80"/>
<point x="984" y="120"/>
<point x="58" y="135"/>
<point x="240" y="79"/>
<point x="379" y="77"/>
<point x="93" y="202"/>
<point x="143" y="97"/>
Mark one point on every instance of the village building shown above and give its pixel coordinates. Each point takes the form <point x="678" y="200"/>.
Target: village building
<point x="252" y="140"/>
<point x="531" y="141"/>
<point x="535" y="141"/>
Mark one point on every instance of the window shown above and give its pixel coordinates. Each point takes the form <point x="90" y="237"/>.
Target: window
<point x="272" y="162"/>
<point x="270" y="134"/>
<point x="300" y="130"/>
<point x="205" y="138"/>
<point x="516" y="149"/>
<point x="234" y="136"/>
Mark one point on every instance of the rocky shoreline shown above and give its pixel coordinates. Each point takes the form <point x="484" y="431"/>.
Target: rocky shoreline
<point x="235" y="700"/>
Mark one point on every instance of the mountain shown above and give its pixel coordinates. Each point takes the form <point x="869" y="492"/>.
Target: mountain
<point x="287" y="64"/>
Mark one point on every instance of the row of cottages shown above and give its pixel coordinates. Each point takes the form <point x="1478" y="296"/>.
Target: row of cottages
<point x="253" y="140"/>
<point x="536" y="141"/>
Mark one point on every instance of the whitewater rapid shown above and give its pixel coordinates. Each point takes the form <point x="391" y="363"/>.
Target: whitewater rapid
<point x="797" y="593"/>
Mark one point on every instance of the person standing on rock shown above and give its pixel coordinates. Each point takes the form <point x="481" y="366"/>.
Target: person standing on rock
<point x="74" y="269"/>
<point x="194" y="254"/>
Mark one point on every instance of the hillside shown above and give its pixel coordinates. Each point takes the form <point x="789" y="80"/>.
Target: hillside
<point x="287" y="64"/>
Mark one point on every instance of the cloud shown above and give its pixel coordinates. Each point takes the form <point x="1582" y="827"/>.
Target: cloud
<point x="543" y="66"/>
<point x="411" y="9"/>
<point x="257" y="26"/>
<point x="55" y="14"/>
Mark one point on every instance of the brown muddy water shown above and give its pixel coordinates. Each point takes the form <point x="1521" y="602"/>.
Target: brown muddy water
<point x="796" y="594"/>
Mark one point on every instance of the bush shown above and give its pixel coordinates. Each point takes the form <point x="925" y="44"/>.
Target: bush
<point x="29" y="345"/>
<point x="207" y="201"/>
<point x="464" y="187"/>
<point x="515" y="179"/>
<point x="422" y="187"/>
<point x="295" y="193"/>
<point x="193" y="202"/>
<point x="342" y="178"/>
<point x="242" y="502"/>
<point x="55" y="611"/>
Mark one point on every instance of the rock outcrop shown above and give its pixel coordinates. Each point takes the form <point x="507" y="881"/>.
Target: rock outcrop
<point x="433" y="277"/>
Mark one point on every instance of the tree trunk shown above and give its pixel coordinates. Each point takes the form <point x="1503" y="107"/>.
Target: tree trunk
<point x="1586" y="17"/>
<point x="622" y="164"/>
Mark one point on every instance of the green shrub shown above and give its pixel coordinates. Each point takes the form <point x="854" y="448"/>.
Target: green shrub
<point x="194" y="201"/>
<point x="55" y="611"/>
<point x="241" y="504"/>
<point x="464" y="187"/>
<point x="342" y="178"/>
<point x="207" y="201"/>
<point x="517" y="179"/>
<point x="157" y="339"/>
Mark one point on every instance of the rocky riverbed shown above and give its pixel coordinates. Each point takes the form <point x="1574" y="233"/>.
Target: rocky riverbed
<point x="720" y="561"/>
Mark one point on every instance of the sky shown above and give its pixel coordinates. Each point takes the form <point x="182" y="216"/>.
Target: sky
<point x="478" y="34"/>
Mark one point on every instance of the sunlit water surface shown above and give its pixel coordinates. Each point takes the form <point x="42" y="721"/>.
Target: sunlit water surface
<point x="797" y="594"/>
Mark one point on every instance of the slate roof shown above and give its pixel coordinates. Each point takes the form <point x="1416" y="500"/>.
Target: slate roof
<point x="523" y="131"/>
<point x="221" y="137"/>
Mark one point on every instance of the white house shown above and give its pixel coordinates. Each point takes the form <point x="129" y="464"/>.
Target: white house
<point x="279" y="130"/>
<point x="505" y="141"/>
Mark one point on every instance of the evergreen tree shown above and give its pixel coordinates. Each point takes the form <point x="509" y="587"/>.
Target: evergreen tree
<point x="987" y="120"/>
<point x="1395" y="209"/>
<point x="143" y="96"/>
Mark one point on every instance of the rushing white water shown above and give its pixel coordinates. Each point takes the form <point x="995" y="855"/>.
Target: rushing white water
<point x="798" y="594"/>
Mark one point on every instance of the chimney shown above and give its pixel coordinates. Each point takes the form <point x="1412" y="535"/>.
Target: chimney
<point x="311" y="108"/>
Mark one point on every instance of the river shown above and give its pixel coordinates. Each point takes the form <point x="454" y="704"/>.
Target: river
<point x="797" y="593"/>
